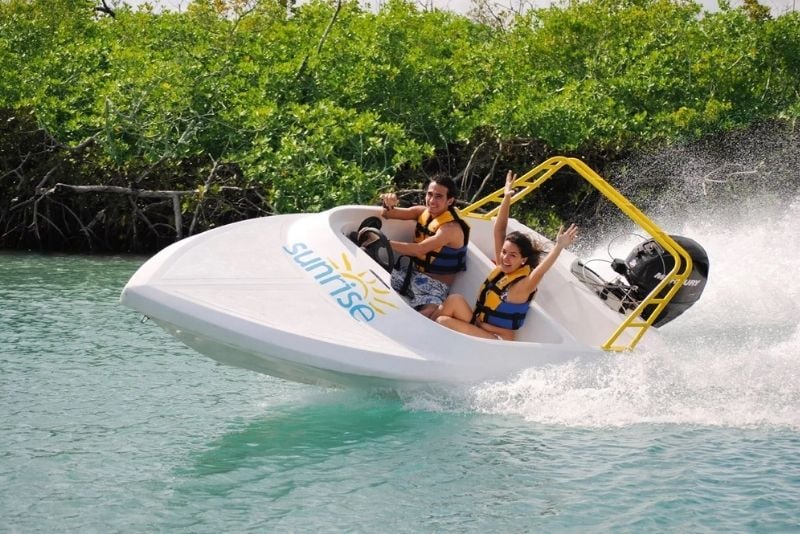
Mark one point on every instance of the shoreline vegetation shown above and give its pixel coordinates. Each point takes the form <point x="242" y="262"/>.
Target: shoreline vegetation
<point x="123" y="130"/>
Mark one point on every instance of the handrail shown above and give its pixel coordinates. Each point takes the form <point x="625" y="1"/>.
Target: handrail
<point x="532" y="179"/>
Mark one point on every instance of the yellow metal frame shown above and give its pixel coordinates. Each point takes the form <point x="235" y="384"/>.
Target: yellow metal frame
<point x="675" y="278"/>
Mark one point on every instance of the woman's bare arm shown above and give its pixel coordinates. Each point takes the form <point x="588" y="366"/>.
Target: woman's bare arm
<point x="525" y="287"/>
<point x="501" y="221"/>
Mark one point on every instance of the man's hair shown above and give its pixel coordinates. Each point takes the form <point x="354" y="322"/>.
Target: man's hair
<point x="447" y="182"/>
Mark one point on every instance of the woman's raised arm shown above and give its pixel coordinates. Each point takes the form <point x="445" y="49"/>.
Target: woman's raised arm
<point x="501" y="221"/>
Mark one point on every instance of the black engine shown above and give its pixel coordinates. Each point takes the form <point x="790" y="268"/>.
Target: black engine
<point x="644" y="268"/>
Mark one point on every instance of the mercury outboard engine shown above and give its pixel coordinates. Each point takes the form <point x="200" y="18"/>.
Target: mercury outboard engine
<point x="645" y="267"/>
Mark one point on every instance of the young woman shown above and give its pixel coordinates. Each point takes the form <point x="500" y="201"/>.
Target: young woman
<point x="506" y="293"/>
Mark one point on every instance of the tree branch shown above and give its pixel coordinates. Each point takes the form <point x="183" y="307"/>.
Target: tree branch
<point x="106" y="9"/>
<point x="301" y="70"/>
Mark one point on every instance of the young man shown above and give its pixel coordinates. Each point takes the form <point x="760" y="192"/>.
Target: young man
<point x="439" y="250"/>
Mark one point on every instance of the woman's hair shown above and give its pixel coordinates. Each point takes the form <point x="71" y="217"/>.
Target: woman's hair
<point x="528" y="249"/>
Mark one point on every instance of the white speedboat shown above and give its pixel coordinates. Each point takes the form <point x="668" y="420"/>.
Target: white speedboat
<point x="295" y="297"/>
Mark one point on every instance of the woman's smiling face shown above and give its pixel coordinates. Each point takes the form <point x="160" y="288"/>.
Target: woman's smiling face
<point x="510" y="257"/>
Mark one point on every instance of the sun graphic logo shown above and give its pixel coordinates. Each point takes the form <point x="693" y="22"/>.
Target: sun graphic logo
<point x="361" y="294"/>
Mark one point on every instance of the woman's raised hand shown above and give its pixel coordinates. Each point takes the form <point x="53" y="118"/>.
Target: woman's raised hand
<point x="509" y="190"/>
<point x="566" y="237"/>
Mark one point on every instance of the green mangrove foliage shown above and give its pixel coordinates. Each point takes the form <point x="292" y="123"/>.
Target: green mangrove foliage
<point x="266" y="107"/>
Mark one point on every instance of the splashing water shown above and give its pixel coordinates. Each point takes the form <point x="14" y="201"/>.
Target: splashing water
<point x="733" y="359"/>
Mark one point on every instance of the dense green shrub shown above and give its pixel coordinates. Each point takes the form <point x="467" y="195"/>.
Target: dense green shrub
<point x="327" y="103"/>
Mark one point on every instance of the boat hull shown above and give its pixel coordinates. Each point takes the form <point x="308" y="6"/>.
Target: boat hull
<point x="291" y="296"/>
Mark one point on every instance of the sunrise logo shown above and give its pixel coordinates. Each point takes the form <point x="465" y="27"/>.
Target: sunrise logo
<point x="361" y="294"/>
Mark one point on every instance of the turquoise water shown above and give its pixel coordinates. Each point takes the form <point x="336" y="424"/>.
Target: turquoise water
<point x="110" y="425"/>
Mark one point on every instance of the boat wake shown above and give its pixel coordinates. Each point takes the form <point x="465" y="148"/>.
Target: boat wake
<point x="733" y="360"/>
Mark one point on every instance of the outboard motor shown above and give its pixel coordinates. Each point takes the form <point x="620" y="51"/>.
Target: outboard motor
<point x="645" y="267"/>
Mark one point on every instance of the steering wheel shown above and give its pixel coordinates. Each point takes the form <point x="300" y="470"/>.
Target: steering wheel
<point x="376" y="245"/>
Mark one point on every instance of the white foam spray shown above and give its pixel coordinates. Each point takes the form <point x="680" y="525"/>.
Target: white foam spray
<point x="733" y="359"/>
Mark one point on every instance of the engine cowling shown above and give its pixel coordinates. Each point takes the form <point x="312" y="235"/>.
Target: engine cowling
<point x="647" y="265"/>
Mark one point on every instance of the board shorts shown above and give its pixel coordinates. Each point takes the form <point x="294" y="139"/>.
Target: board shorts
<point x="422" y="289"/>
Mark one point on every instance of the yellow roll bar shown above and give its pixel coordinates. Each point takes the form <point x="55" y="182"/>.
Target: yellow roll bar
<point x="674" y="279"/>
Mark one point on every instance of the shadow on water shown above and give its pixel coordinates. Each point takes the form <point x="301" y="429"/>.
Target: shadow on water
<point x="300" y="435"/>
<point x="298" y="459"/>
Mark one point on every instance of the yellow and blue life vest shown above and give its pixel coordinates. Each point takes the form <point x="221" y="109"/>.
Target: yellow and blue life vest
<point x="444" y="260"/>
<point x="491" y="306"/>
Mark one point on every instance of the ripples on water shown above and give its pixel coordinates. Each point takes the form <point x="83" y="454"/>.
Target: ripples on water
<point x="109" y="425"/>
